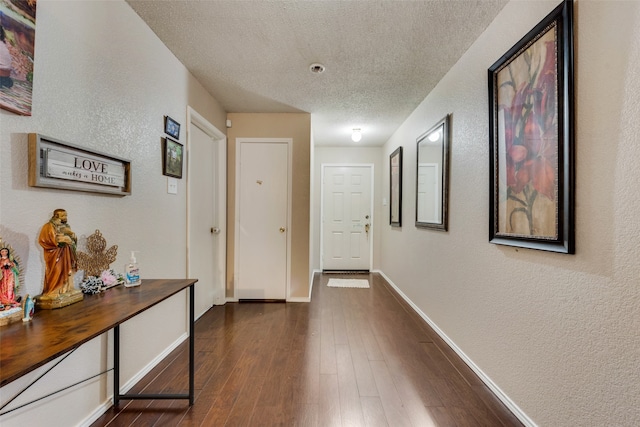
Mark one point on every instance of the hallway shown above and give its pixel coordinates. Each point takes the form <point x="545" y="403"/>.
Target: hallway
<point x="351" y="357"/>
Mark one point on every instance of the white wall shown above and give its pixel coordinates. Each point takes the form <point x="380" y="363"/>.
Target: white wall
<point x="350" y="155"/>
<point x="104" y="81"/>
<point x="558" y="334"/>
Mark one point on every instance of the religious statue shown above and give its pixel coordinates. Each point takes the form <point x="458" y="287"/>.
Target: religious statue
<point x="9" y="278"/>
<point x="59" y="244"/>
<point x="27" y="308"/>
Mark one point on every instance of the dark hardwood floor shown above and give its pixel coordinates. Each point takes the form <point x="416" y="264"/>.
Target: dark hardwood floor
<point x="351" y="357"/>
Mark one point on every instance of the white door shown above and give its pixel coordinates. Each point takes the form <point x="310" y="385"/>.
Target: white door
<point x="207" y="206"/>
<point x="347" y="220"/>
<point x="262" y="227"/>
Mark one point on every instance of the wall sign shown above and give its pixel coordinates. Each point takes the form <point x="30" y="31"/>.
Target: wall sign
<point x="57" y="164"/>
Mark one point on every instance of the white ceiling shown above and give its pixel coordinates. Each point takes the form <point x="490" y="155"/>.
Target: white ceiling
<point x="382" y="58"/>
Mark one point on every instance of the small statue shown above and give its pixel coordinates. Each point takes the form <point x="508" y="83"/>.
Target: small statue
<point x="97" y="260"/>
<point x="59" y="244"/>
<point x="27" y="308"/>
<point x="9" y="278"/>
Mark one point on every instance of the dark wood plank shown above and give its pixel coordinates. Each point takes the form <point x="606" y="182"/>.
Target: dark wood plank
<point x="329" y="401"/>
<point x="350" y="409"/>
<point x="361" y="366"/>
<point x="373" y="412"/>
<point x="394" y="409"/>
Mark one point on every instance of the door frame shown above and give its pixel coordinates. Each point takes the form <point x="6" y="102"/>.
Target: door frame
<point x="236" y="258"/>
<point x="220" y="197"/>
<point x="322" y="190"/>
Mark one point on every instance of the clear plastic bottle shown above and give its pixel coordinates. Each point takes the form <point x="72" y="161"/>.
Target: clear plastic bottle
<point x="132" y="272"/>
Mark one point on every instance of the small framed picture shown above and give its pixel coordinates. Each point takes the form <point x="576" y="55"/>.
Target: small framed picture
<point x="171" y="127"/>
<point x="172" y="158"/>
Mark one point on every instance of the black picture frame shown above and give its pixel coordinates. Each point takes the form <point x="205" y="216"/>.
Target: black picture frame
<point x="531" y="137"/>
<point x="171" y="127"/>
<point x="172" y="158"/>
<point x="395" y="188"/>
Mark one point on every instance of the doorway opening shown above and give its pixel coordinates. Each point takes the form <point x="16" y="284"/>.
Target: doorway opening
<point x="346" y="226"/>
<point x="206" y="210"/>
<point x="263" y="218"/>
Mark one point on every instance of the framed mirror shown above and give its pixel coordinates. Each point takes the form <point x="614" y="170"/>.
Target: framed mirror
<point x="395" y="207"/>
<point x="432" y="180"/>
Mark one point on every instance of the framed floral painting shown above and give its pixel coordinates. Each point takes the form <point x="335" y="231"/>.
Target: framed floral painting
<point x="531" y="138"/>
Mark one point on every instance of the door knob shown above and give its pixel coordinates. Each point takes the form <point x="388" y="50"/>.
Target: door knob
<point x="282" y="229"/>
<point x="215" y="230"/>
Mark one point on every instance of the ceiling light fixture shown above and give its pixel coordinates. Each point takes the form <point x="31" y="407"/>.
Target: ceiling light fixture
<point x="356" y="135"/>
<point x="316" y="68"/>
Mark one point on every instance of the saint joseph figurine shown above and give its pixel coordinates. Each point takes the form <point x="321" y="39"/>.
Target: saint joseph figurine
<point x="59" y="244"/>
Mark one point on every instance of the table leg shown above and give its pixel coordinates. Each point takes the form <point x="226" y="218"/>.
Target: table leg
<point x="192" y="341"/>
<point x="116" y="365"/>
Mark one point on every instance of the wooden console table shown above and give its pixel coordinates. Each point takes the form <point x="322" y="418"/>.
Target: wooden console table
<point x="51" y="333"/>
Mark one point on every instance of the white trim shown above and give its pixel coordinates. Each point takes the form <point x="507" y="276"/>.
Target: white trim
<point x="299" y="299"/>
<point x="313" y="275"/>
<point x="515" y="409"/>
<point x="322" y="168"/>
<point x="220" y="140"/>
<point x="312" y="216"/>
<point x="100" y="411"/>
<point x="236" y="260"/>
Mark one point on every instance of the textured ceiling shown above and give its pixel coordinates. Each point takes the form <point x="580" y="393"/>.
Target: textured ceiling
<point x="382" y="58"/>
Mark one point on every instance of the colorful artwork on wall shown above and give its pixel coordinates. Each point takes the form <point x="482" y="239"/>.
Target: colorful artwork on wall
<point x="531" y="138"/>
<point x="17" y="40"/>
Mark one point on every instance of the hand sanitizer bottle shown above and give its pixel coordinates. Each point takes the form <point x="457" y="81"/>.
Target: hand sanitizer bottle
<point x="131" y="272"/>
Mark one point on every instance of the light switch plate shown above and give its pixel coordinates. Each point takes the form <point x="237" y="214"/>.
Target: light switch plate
<point x="172" y="185"/>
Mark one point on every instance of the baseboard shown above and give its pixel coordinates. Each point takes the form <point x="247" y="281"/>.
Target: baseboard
<point x="311" y="280"/>
<point x="299" y="299"/>
<point x="346" y="272"/>
<point x="515" y="409"/>
<point x="100" y="410"/>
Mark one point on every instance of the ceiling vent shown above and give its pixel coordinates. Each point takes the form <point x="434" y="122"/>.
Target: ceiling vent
<point x="316" y="68"/>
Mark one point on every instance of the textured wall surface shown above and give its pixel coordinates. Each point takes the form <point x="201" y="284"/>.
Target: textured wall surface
<point x="102" y="81"/>
<point x="558" y="334"/>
